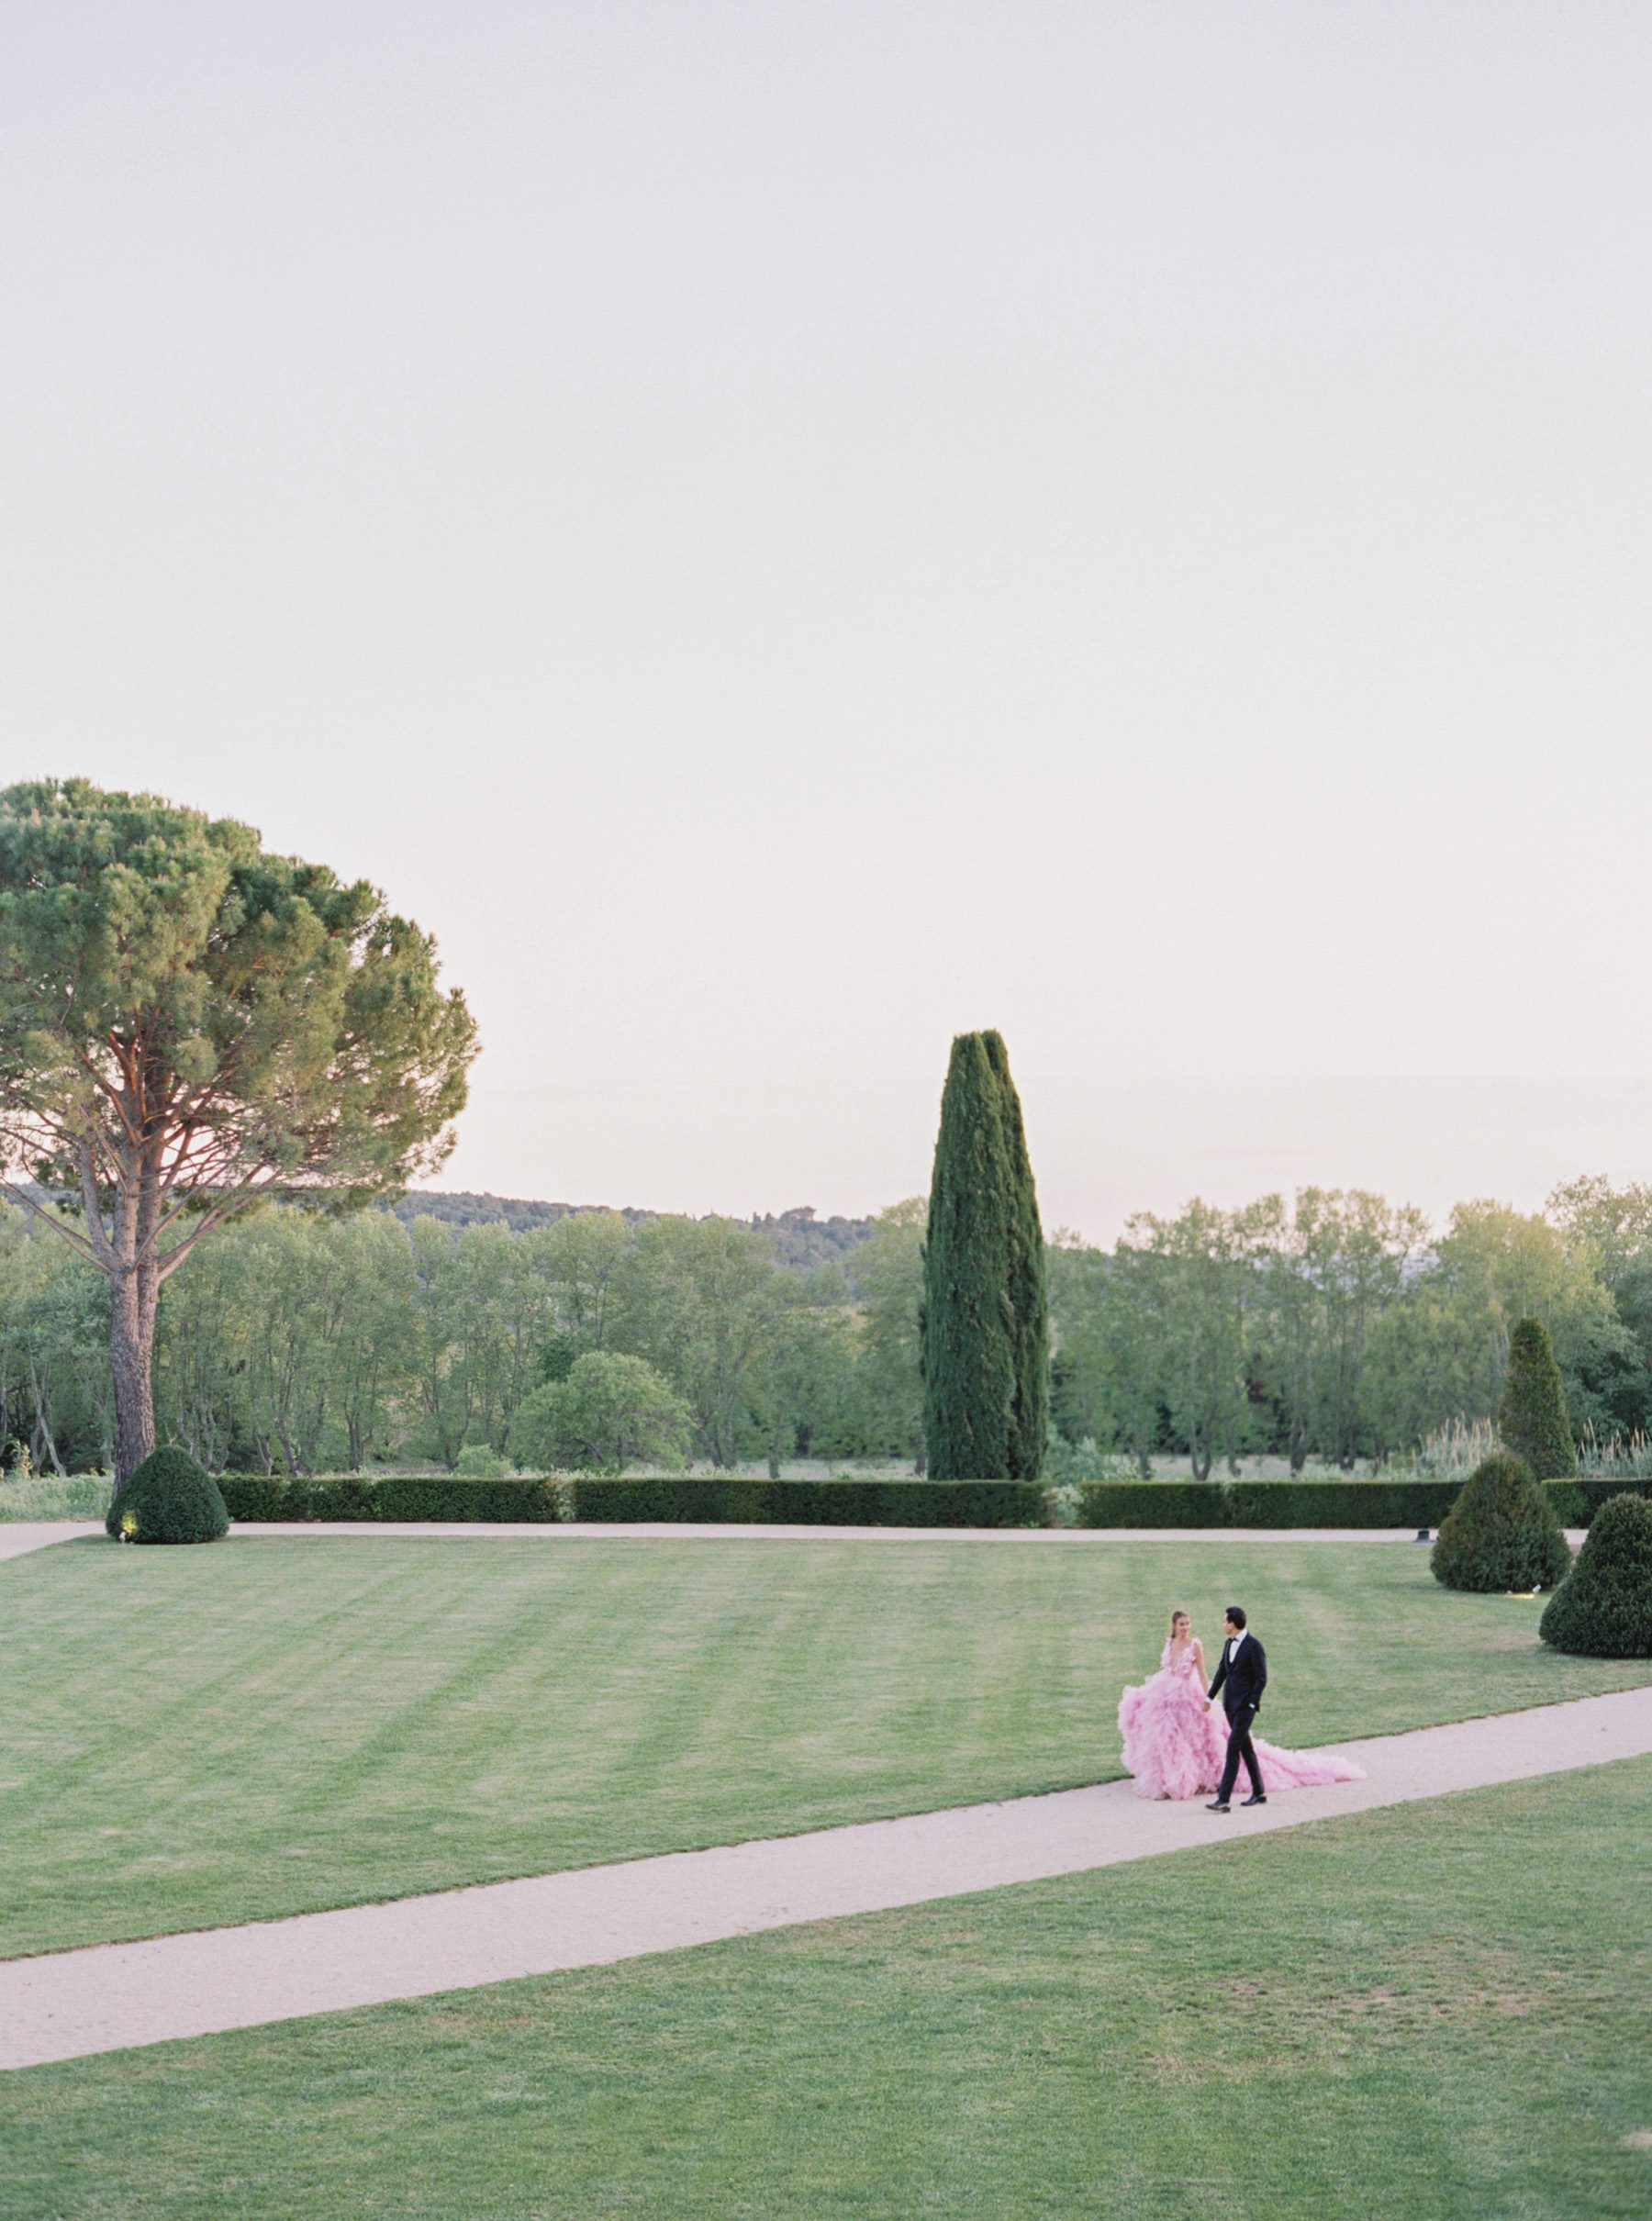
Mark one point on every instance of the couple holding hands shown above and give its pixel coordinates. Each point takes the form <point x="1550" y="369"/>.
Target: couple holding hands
<point x="1173" y="1744"/>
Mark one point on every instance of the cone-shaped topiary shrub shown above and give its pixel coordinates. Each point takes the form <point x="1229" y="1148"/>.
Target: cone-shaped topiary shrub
<point x="1501" y="1533"/>
<point x="1603" y="1609"/>
<point x="1532" y="1419"/>
<point x="169" y="1500"/>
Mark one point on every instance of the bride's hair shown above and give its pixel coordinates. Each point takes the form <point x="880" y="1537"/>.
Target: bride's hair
<point x="1178" y="1614"/>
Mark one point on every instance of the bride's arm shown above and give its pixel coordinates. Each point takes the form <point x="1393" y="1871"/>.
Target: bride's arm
<point x="1198" y="1666"/>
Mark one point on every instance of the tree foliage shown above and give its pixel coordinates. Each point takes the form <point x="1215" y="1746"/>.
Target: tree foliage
<point x="1531" y="1418"/>
<point x="169" y="1500"/>
<point x="1334" y="1329"/>
<point x="608" y="1413"/>
<point x="887" y="1372"/>
<point x="984" y="1324"/>
<point x="189" y="1025"/>
<point x="1603" y="1609"/>
<point x="1028" y="1293"/>
<point x="1501" y="1533"/>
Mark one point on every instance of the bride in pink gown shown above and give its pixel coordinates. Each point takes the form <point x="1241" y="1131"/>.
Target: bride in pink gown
<point x="1174" y="1746"/>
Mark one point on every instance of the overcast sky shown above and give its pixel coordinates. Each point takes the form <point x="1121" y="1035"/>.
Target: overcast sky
<point x="780" y="532"/>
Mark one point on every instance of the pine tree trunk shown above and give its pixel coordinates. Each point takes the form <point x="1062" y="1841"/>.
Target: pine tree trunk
<point x="131" y="1351"/>
<point x="134" y="1267"/>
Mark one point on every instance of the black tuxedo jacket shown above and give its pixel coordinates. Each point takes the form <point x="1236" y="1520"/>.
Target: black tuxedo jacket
<point x="1242" y="1676"/>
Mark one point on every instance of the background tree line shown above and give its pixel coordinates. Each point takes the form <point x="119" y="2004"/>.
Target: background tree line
<point x="1336" y="1329"/>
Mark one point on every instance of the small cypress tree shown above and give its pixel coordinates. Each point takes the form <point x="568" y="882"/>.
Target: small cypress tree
<point x="1604" y="1608"/>
<point x="1029" y="1299"/>
<point x="1501" y="1533"/>
<point x="967" y="1329"/>
<point x="1532" y="1419"/>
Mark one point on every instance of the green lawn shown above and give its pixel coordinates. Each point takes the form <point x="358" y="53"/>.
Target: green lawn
<point x="1438" y="2012"/>
<point x="192" y="1736"/>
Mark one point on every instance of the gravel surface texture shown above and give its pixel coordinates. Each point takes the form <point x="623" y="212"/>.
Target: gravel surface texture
<point x="112" y="1996"/>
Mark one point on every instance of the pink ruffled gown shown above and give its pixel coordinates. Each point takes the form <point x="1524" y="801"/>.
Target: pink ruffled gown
<point x="1175" y="1749"/>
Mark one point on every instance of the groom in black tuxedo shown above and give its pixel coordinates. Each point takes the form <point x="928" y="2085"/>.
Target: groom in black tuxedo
<point x="1242" y="1676"/>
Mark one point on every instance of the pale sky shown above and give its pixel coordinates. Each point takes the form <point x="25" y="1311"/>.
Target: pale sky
<point x="780" y="532"/>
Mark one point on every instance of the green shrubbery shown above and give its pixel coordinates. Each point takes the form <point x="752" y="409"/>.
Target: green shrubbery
<point x="818" y="1503"/>
<point x="256" y="1496"/>
<point x="1501" y="1533"/>
<point x="1266" y="1503"/>
<point x="477" y="1462"/>
<point x="169" y="1499"/>
<point x="855" y="1504"/>
<point x="1531" y="1419"/>
<point x="1281" y="1504"/>
<point x="56" y="1496"/>
<point x="1603" y="1609"/>
<point x="607" y="1412"/>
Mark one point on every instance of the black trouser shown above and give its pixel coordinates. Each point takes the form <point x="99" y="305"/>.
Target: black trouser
<point x="1240" y="1747"/>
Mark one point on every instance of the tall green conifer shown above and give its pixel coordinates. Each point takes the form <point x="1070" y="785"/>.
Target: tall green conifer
<point x="1029" y="1302"/>
<point x="1532" y="1417"/>
<point x="985" y="1334"/>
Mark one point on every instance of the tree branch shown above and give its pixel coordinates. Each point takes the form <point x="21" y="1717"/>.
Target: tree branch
<point x="75" y="1241"/>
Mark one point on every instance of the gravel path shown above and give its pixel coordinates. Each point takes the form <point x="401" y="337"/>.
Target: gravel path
<point x="22" y="1536"/>
<point x="68" y="2004"/>
<point x="19" y="1537"/>
<point x="706" y="1530"/>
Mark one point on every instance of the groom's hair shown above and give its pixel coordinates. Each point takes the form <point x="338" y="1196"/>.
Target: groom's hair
<point x="1236" y="1613"/>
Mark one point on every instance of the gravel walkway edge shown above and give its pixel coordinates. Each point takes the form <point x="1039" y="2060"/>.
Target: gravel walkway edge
<point x="20" y="1537"/>
<point x="111" y="1997"/>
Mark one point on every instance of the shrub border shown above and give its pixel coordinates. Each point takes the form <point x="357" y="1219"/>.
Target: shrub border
<point x="1282" y="1504"/>
<point x="852" y="1503"/>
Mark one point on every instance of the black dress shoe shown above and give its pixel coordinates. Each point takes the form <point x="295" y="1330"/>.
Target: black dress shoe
<point x="1218" y="1807"/>
<point x="1257" y="1799"/>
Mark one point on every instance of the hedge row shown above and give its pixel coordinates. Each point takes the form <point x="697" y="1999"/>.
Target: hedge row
<point x="1312" y="1503"/>
<point x="254" y="1496"/>
<point x="819" y="1503"/>
<point x="1588" y="1496"/>
<point x="885" y="1503"/>
<point x="804" y="1503"/>
<point x="1267" y="1503"/>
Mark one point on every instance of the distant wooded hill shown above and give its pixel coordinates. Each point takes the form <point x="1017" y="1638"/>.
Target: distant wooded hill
<point x="802" y="1241"/>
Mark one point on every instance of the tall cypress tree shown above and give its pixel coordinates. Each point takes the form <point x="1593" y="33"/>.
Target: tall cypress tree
<point x="984" y="1332"/>
<point x="1029" y="1302"/>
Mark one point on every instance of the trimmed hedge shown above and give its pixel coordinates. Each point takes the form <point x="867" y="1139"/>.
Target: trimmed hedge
<point x="1266" y="1503"/>
<point x="254" y="1496"/>
<point x="1590" y="1495"/>
<point x="842" y="1503"/>
<point x="1532" y="1419"/>
<point x="882" y="1504"/>
<point x="169" y="1499"/>
<point x="1501" y="1533"/>
<point x="1604" y="1608"/>
<point x="818" y="1503"/>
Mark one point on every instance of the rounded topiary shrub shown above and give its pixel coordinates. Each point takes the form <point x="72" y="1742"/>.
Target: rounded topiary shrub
<point x="1531" y="1419"/>
<point x="169" y="1500"/>
<point x="1501" y="1533"/>
<point x="1603" y="1609"/>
